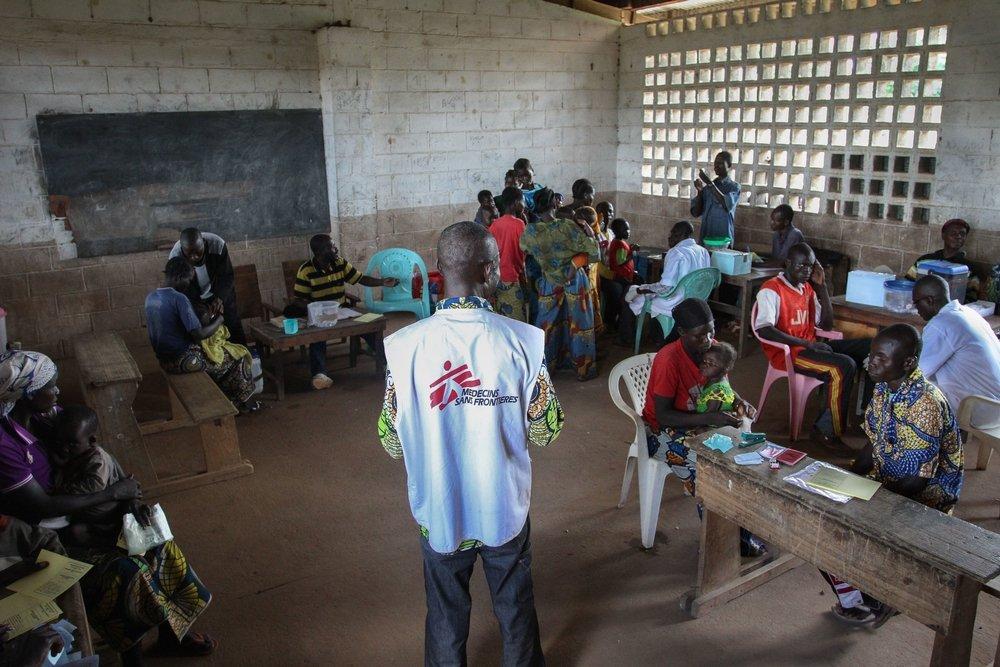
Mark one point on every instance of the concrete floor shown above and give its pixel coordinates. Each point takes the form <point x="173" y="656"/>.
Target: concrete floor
<point x="314" y="559"/>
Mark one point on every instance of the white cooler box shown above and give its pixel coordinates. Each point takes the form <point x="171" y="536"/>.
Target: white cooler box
<point x="867" y="287"/>
<point x="731" y="262"/>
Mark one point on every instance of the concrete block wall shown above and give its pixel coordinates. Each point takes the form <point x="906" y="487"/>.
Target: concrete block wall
<point x="968" y="134"/>
<point x="128" y="56"/>
<point x="427" y="103"/>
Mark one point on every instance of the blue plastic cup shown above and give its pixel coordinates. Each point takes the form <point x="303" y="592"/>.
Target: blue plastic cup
<point x="291" y="325"/>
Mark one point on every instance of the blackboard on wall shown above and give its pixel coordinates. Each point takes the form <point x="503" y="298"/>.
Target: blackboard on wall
<point x="132" y="179"/>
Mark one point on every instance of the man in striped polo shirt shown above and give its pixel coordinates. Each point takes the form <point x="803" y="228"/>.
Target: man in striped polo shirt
<point x="322" y="278"/>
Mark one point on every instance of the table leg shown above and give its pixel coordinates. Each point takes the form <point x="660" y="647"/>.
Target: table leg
<point x="954" y="647"/>
<point x="354" y="348"/>
<point x="721" y="577"/>
<point x="746" y="298"/>
<point x="279" y="373"/>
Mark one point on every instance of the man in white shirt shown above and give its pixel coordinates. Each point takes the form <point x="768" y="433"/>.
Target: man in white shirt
<point x="683" y="257"/>
<point x="961" y="354"/>
<point x="467" y="392"/>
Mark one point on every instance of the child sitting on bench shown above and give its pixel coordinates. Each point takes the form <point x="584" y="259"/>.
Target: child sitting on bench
<point x="83" y="467"/>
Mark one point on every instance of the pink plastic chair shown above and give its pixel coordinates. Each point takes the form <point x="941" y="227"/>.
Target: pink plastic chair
<point x="799" y="385"/>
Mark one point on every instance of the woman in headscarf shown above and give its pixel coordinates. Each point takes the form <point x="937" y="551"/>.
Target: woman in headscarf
<point x="565" y="311"/>
<point x="588" y="216"/>
<point x="670" y="411"/>
<point x="126" y="596"/>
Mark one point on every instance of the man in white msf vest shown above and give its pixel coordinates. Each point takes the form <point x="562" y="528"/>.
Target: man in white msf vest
<point x="466" y="392"/>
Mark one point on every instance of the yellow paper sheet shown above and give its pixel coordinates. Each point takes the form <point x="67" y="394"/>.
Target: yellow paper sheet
<point x="24" y="613"/>
<point x="841" y="481"/>
<point x="54" y="580"/>
<point x="367" y="317"/>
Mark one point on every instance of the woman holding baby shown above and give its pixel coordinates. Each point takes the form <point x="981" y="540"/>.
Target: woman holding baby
<point x="126" y="596"/>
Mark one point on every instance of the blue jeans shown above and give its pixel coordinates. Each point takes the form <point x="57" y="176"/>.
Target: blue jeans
<point x="508" y="574"/>
<point x="317" y="353"/>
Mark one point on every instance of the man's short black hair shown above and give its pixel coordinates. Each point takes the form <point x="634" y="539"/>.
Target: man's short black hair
<point x="727" y="156"/>
<point x="318" y="242"/>
<point x="510" y="195"/>
<point x="190" y="235"/>
<point x="800" y="249"/>
<point x="484" y="193"/>
<point x="461" y="245"/>
<point x="685" y="225"/>
<point x="511" y="173"/>
<point x="906" y="337"/>
<point x="70" y="418"/>
<point x="177" y="268"/>
<point x="580" y="186"/>
<point x="784" y="212"/>
<point x="521" y="163"/>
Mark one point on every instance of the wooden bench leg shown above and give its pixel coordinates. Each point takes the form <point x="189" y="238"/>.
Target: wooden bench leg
<point x="955" y="646"/>
<point x="220" y="443"/>
<point x="119" y="430"/>
<point x="354" y="347"/>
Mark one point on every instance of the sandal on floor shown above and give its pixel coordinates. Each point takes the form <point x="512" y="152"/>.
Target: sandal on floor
<point x="194" y="644"/>
<point x="859" y="615"/>
<point x="883" y="615"/>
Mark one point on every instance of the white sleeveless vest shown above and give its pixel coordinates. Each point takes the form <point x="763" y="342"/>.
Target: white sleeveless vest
<point x="463" y="381"/>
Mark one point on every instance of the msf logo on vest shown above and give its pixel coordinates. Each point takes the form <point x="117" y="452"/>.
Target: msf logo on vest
<point x="459" y="386"/>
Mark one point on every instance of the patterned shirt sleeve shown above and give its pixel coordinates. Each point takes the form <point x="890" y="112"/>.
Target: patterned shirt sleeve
<point x="387" y="433"/>
<point x="545" y="414"/>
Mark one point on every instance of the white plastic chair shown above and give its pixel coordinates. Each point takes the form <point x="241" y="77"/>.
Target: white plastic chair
<point x="799" y="385"/>
<point x="988" y="437"/>
<point x="652" y="472"/>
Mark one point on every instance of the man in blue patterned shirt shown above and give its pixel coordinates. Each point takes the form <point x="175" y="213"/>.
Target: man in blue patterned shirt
<point x="915" y="449"/>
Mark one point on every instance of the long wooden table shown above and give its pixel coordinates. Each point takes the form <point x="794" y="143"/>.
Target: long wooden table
<point x="276" y="342"/>
<point x="747" y="284"/>
<point x="926" y="564"/>
<point x="879" y="318"/>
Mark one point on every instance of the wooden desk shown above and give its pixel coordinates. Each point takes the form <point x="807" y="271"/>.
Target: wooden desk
<point x="277" y="342"/>
<point x="747" y="284"/>
<point x="652" y="257"/>
<point x="926" y="564"/>
<point x="879" y="318"/>
<point x="110" y="379"/>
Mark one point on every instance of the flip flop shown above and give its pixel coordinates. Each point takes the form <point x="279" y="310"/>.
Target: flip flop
<point x="843" y="615"/>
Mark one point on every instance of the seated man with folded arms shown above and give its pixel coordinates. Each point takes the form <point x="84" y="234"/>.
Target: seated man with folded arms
<point x="322" y="278"/>
<point x="783" y="236"/>
<point x="961" y="354"/>
<point x="790" y="307"/>
<point x="914" y="448"/>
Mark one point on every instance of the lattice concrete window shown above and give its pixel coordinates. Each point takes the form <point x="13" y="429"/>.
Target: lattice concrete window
<point x="844" y="124"/>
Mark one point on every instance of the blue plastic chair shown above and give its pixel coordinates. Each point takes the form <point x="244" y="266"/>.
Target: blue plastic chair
<point x="398" y="263"/>
<point x="696" y="285"/>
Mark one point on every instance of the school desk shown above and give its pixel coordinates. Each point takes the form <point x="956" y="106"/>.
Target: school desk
<point x="928" y="565"/>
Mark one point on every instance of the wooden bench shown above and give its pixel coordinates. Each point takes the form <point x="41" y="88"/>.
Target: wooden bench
<point x="928" y="565"/>
<point x="110" y="377"/>
<point x="197" y="402"/>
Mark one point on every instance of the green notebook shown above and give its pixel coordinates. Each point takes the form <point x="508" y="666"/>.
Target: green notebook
<point x="843" y="482"/>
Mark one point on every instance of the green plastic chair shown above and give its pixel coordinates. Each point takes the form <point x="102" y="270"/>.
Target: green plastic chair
<point x="696" y="285"/>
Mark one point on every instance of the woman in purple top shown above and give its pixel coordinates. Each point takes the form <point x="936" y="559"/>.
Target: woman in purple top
<point x="126" y="596"/>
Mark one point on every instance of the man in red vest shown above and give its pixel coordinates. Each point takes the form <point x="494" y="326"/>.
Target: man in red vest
<point x="790" y="307"/>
